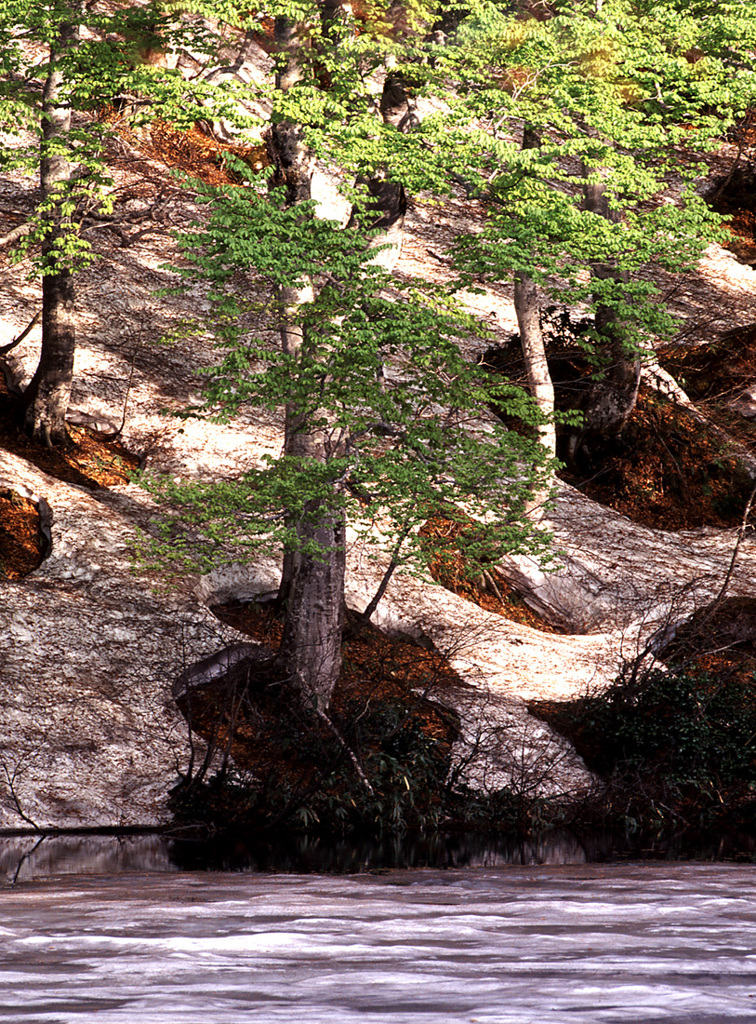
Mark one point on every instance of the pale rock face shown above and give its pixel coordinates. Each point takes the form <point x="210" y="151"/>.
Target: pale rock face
<point x="88" y="651"/>
<point x="88" y="733"/>
<point x="624" y="580"/>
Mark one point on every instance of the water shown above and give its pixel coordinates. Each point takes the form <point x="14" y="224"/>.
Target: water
<point x="28" y="857"/>
<point x="549" y="944"/>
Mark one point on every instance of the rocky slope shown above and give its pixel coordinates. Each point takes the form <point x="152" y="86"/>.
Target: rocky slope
<point x="89" y="647"/>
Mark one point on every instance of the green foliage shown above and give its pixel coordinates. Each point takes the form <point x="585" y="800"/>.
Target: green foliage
<point x="313" y="788"/>
<point x="693" y="727"/>
<point x="379" y="376"/>
<point x="633" y="94"/>
<point x="106" y="60"/>
<point x="671" y="744"/>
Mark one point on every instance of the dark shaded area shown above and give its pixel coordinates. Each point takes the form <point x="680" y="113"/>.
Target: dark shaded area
<point x="489" y="590"/>
<point x="675" y="749"/>
<point x="718" y="373"/>
<point x="666" y="470"/>
<point x="80" y="854"/>
<point x="735" y="196"/>
<point x="719" y="639"/>
<point x="309" y="854"/>
<point x="22" y="542"/>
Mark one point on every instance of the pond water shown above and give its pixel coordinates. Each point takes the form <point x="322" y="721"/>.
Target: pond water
<point x="627" y="943"/>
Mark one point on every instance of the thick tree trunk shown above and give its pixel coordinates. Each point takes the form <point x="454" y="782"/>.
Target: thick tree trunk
<point x="613" y="397"/>
<point x="47" y="396"/>
<point x="312" y="585"/>
<point x="310" y="653"/>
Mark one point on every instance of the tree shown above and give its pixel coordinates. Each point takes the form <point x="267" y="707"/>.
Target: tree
<point x="621" y="98"/>
<point x="319" y="50"/>
<point x="60" y="62"/>
<point x="528" y="312"/>
<point x="387" y="408"/>
<point x="388" y="412"/>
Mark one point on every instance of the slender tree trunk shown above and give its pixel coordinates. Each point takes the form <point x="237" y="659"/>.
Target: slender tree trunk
<point x="294" y="167"/>
<point x="47" y="397"/>
<point x="386" y="210"/>
<point x="613" y="397"/>
<point x="541" y="387"/>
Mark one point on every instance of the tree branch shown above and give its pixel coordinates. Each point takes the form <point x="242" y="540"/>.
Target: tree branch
<point x="22" y="335"/>
<point x="16" y="233"/>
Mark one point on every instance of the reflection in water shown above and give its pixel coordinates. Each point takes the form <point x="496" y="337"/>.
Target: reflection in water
<point x="23" y="858"/>
<point x="26" y="857"/>
<point x="31" y="857"/>
<point x="354" y="855"/>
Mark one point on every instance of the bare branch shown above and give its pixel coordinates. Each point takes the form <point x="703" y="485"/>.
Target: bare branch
<point x="16" y="233"/>
<point x="10" y="779"/>
<point x="22" y="335"/>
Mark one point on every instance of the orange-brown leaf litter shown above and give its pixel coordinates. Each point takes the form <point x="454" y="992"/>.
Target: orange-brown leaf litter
<point x="241" y="715"/>
<point x="20" y="542"/>
<point x="489" y="590"/>
<point x="90" y="460"/>
<point x="667" y="471"/>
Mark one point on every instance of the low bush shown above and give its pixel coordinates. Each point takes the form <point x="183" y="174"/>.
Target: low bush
<point x="382" y="771"/>
<point x="673" y="747"/>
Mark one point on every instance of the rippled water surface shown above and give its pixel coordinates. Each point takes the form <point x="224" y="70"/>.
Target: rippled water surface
<point x="511" y="945"/>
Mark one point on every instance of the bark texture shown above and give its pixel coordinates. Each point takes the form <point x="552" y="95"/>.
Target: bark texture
<point x="311" y="645"/>
<point x="613" y="396"/>
<point x="528" y="312"/>
<point x="312" y="585"/>
<point x="540" y="384"/>
<point x="48" y="394"/>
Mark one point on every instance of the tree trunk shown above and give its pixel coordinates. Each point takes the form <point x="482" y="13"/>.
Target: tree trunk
<point x="310" y="652"/>
<point x="312" y="585"/>
<point x="528" y="310"/>
<point x="612" y="398"/>
<point x="540" y="384"/>
<point x="48" y="394"/>
<point x="386" y="210"/>
<point x="47" y="397"/>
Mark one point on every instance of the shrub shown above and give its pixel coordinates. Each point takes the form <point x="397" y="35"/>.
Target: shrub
<point x="673" y="746"/>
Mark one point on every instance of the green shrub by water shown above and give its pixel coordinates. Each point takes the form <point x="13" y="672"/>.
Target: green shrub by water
<point x="386" y="774"/>
<point x="672" y="746"/>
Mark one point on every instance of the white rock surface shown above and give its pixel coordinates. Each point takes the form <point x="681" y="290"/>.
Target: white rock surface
<point x="88" y="735"/>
